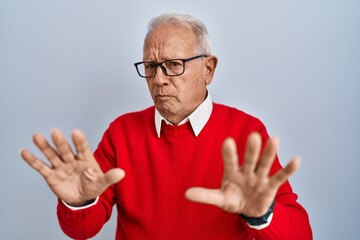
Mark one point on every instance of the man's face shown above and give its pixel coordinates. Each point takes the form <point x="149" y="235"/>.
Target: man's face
<point x="178" y="96"/>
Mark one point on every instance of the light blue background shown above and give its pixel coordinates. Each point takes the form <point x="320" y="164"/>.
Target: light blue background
<point x="293" y="64"/>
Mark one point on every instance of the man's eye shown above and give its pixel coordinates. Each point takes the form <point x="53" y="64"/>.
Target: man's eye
<point x="173" y="64"/>
<point x="150" y="65"/>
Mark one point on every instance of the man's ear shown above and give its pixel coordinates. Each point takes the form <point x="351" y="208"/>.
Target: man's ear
<point x="210" y="66"/>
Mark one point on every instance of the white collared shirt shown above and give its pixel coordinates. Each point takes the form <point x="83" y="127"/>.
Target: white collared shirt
<point x="197" y="119"/>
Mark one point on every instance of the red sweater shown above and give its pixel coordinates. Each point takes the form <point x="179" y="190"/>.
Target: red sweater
<point x="150" y="199"/>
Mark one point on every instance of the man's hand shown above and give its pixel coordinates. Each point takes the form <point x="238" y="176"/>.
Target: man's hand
<point x="246" y="189"/>
<point x="74" y="178"/>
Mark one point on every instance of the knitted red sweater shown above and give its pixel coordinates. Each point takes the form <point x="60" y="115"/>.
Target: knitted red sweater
<point x="150" y="199"/>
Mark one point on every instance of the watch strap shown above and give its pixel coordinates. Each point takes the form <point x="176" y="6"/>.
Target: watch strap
<point x="256" y="221"/>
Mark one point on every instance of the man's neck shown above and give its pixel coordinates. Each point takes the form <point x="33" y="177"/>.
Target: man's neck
<point x="175" y="119"/>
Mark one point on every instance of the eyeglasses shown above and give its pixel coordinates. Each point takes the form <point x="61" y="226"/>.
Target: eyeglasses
<point x="170" y="67"/>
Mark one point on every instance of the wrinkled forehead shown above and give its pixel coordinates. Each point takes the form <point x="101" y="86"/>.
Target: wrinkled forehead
<point x="169" y="41"/>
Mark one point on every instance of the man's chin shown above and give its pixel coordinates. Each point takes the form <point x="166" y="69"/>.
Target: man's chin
<point x="165" y="109"/>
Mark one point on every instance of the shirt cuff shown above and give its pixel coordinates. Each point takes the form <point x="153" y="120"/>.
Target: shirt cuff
<point x="82" y="207"/>
<point x="262" y="226"/>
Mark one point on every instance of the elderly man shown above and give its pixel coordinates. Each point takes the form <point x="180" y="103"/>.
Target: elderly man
<point x="194" y="169"/>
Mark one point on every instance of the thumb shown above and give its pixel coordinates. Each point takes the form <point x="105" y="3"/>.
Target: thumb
<point x="113" y="176"/>
<point x="206" y="196"/>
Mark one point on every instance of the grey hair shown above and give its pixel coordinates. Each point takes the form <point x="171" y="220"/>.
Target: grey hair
<point x="199" y="29"/>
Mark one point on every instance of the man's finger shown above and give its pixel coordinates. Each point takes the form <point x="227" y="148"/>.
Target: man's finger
<point x="207" y="196"/>
<point x="268" y="156"/>
<point x="230" y="156"/>
<point x="282" y="175"/>
<point x="48" y="151"/>
<point x="35" y="163"/>
<point x="63" y="147"/>
<point x="81" y="145"/>
<point x="252" y="152"/>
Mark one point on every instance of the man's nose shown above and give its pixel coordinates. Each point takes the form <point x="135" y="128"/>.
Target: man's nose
<point x="160" y="78"/>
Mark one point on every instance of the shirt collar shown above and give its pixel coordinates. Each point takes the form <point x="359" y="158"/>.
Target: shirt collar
<point x="197" y="119"/>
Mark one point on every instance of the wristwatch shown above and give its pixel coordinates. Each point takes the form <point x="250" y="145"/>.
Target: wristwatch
<point x="259" y="220"/>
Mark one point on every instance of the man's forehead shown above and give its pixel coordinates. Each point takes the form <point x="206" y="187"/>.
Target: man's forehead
<point x="169" y="42"/>
<point x="168" y="33"/>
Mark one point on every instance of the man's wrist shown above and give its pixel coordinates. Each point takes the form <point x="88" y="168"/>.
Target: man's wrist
<point x="257" y="221"/>
<point x="92" y="203"/>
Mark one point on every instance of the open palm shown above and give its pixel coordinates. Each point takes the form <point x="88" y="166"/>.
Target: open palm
<point x="74" y="178"/>
<point x="246" y="189"/>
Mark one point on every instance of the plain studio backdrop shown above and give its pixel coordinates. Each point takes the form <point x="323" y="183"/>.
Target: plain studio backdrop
<point x="293" y="64"/>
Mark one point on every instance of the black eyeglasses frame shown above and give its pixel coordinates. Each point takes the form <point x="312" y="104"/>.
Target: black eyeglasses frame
<point x="163" y="69"/>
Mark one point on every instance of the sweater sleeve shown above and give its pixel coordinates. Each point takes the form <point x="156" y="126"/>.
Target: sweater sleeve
<point x="290" y="220"/>
<point x="86" y="223"/>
